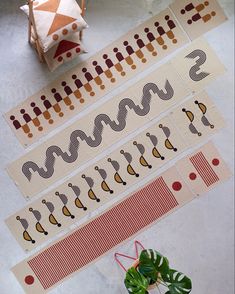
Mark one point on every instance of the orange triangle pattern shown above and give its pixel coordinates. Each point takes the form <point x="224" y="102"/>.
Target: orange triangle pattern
<point x="51" y="6"/>
<point x="60" y="21"/>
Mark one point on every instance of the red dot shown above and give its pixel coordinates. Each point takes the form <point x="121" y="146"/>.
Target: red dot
<point x="192" y="176"/>
<point x="29" y="280"/>
<point x="176" y="186"/>
<point x="215" y="161"/>
<point x="78" y="50"/>
<point x="60" y="58"/>
<point x="69" y="54"/>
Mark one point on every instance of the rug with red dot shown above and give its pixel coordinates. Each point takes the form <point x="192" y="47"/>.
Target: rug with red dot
<point x="100" y="235"/>
<point x="191" y="176"/>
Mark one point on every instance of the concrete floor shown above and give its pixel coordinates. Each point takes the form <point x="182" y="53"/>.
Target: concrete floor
<point x="198" y="238"/>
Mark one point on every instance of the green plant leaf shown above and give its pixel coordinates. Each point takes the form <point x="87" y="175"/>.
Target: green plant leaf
<point x="152" y="263"/>
<point x="177" y="282"/>
<point x="135" y="282"/>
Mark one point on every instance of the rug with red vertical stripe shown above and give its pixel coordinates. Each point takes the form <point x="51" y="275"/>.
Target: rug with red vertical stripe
<point x="70" y="254"/>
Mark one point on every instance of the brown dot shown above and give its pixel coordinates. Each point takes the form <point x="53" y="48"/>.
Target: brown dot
<point x="55" y="37"/>
<point x="174" y="41"/>
<point x="40" y="129"/>
<point x="30" y="135"/>
<point x="71" y="107"/>
<point x="164" y="47"/>
<point x="102" y="87"/>
<point x="74" y="26"/>
<point x="50" y="121"/>
<point x="213" y="13"/>
<point x="82" y="100"/>
<point x="60" y="58"/>
<point x="61" y="114"/>
<point x="65" y="32"/>
<point x="69" y="54"/>
<point x="92" y="94"/>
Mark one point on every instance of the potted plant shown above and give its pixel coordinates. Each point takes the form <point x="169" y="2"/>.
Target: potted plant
<point x="152" y="270"/>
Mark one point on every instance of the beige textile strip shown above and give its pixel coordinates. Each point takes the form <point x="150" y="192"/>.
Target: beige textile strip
<point x="118" y="62"/>
<point x="121" y="222"/>
<point x="90" y="135"/>
<point x="204" y="169"/>
<point x="197" y="17"/>
<point x="112" y="175"/>
<point x="95" y="77"/>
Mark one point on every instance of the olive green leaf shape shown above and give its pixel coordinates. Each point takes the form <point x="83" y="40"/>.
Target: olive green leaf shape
<point x="178" y="283"/>
<point x="135" y="282"/>
<point x="152" y="263"/>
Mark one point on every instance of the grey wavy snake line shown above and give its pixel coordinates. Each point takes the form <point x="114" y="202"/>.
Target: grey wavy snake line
<point x="78" y="135"/>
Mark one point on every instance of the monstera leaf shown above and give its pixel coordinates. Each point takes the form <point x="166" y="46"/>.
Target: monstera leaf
<point x="135" y="282"/>
<point x="177" y="282"/>
<point x="152" y="263"/>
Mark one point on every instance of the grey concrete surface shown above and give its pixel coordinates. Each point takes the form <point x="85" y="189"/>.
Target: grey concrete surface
<point x="198" y="239"/>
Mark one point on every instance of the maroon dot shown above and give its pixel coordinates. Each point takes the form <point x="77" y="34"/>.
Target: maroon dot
<point x="43" y="97"/>
<point x="74" y="77"/>
<point x="167" y="17"/>
<point x="84" y="69"/>
<point x="136" y="36"/>
<point x="12" y="117"/>
<point x="60" y="58"/>
<point x="192" y="176"/>
<point x="32" y="104"/>
<point x="146" y="30"/>
<point x="215" y="161"/>
<point x="115" y="49"/>
<point x="176" y="186"/>
<point x="156" y="24"/>
<point x="78" y="50"/>
<point x="189" y="21"/>
<point x="53" y="90"/>
<point x="29" y="280"/>
<point x="94" y="63"/>
<point x="105" y="56"/>
<point x="69" y="54"/>
<point x="22" y="111"/>
<point x="125" y="43"/>
<point x="182" y="11"/>
<point x="63" y="83"/>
